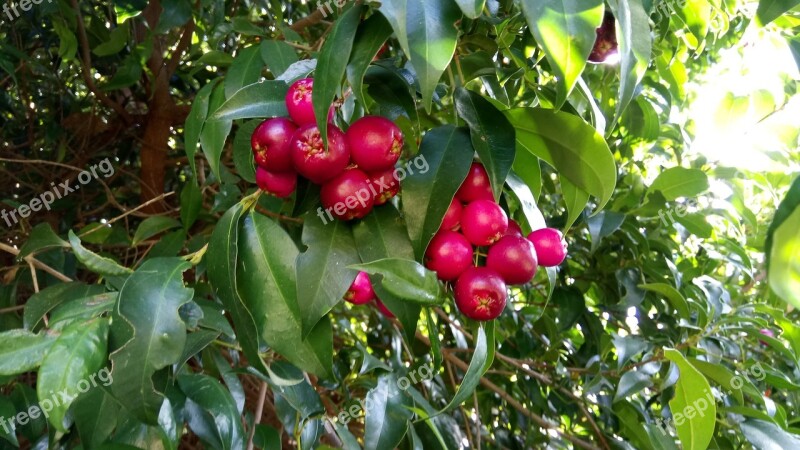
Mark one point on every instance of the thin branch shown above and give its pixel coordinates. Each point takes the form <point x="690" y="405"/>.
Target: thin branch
<point x="262" y="397"/>
<point x="186" y="40"/>
<point x="38" y="264"/>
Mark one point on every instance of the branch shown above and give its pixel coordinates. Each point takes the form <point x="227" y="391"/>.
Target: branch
<point x="86" y="65"/>
<point x="38" y="264"/>
<point x="307" y="21"/>
<point x="186" y="40"/>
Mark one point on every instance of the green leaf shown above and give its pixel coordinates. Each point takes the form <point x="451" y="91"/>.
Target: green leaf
<point x="332" y="63"/>
<point x="576" y="200"/>
<point x="94" y="262"/>
<point x="529" y="208"/>
<point x="268" y="283"/>
<point x="44" y="301"/>
<point x="259" y="100"/>
<point x="128" y="74"/>
<point x="471" y="8"/>
<point x="222" y="259"/>
<point x="426" y="196"/>
<point x="96" y="415"/>
<point x="117" y="40"/>
<point x="153" y="226"/>
<point x="783" y="246"/>
<point x="695" y="423"/>
<point x="571" y="146"/>
<point x="71" y="365"/>
<point x="42" y="237"/>
<point x="492" y="136"/>
<point x="215" y="131"/>
<point x="82" y="309"/>
<point x="727" y="379"/>
<point x="371" y="35"/>
<point x="696" y="14"/>
<point x="7" y="409"/>
<point x="482" y="359"/>
<point x="195" y="120"/>
<point x="191" y="203"/>
<point x="768" y="436"/>
<point x="243" y="151"/>
<point x="635" y="46"/>
<point x="427" y="31"/>
<point x="387" y="414"/>
<point x="211" y="397"/>
<point x="602" y="225"/>
<point x="679" y="182"/>
<point x="675" y="298"/>
<point x="566" y="32"/>
<point x="22" y="351"/>
<point x="323" y="276"/>
<point x="175" y="14"/>
<point x="769" y="10"/>
<point x="278" y="56"/>
<point x="405" y="279"/>
<point x="147" y="333"/>
<point x="245" y="70"/>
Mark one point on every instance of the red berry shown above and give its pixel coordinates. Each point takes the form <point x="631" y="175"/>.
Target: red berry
<point x="477" y="185"/>
<point x="481" y="294"/>
<point x="348" y="196"/>
<point x="375" y="143"/>
<point x="449" y="254"/>
<point x="360" y="292"/>
<point x="270" y="142"/>
<point x="383" y="309"/>
<point x="551" y="248"/>
<point x="452" y="218"/>
<point x="279" y="184"/>
<point x="514" y="259"/>
<point x="309" y="155"/>
<point x="298" y="102"/>
<point x="483" y="222"/>
<point x="606" y="48"/>
<point x="385" y="185"/>
<point x="514" y="229"/>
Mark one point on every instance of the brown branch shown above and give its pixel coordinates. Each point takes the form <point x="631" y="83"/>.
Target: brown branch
<point x="262" y="398"/>
<point x="186" y="40"/>
<point x="307" y="21"/>
<point x="86" y="65"/>
<point x="38" y="264"/>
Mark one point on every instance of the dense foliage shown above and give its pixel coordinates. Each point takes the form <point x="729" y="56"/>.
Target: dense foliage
<point x="152" y="297"/>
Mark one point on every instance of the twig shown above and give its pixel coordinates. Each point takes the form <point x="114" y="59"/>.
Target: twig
<point x="127" y="213"/>
<point x="38" y="264"/>
<point x="33" y="274"/>
<point x="262" y="397"/>
<point x="12" y="309"/>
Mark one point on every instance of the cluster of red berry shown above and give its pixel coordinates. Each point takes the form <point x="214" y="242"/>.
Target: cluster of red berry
<point x="475" y="220"/>
<point x="356" y="171"/>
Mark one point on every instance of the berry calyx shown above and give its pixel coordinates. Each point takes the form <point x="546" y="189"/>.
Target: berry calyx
<point x="514" y="259"/>
<point x="477" y="186"/>
<point x="452" y="218"/>
<point x="310" y="157"/>
<point x="361" y="291"/>
<point x="299" y="103"/>
<point x="270" y="143"/>
<point x="481" y="294"/>
<point x="551" y="248"/>
<point x="449" y="254"/>
<point x="383" y="309"/>
<point x="348" y="196"/>
<point x="385" y="185"/>
<point x="279" y="184"/>
<point x="483" y="222"/>
<point x="375" y="143"/>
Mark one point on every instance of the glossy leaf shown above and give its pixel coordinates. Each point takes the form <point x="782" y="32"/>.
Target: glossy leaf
<point x="576" y="200"/>
<point x="676" y="299"/>
<point x="94" y="262"/>
<point x="71" y="365"/>
<point x="259" y="100"/>
<point x="147" y="333"/>
<point x="482" y="359"/>
<point x="44" y="301"/>
<point x="769" y="10"/>
<point x="635" y="46"/>
<point x="42" y="237"/>
<point x="370" y="37"/>
<point x="569" y="145"/>
<point x="405" y="279"/>
<point x="213" y="399"/>
<point x="278" y="56"/>
<point x="550" y="21"/>
<point x="22" y="351"/>
<point x="268" y="284"/>
<point x="471" y="8"/>
<point x="768" y="436"/>
<point x="195" y="120"/>
<point x="332" y="63"/>
<point x="153" y="226"/>
<point x="692" y="391"/>
<point x="323" y="276"/>
<point x="245" y="70"/>
<point x="679" y="182"/>
<point x="387" y="414"/>
<point x="492" y="136"/>
<point x="215" y="131"/>
<point x="426" y="196"/>
<point x="427" y="31"/>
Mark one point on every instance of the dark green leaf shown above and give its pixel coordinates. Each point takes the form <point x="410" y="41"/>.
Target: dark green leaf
<point x="405" y="279"/>
<point x="602" y="225"/>
<point x="147" y="333"/>
<point x="45" y="300"/>
<point x="482" y="359"/>
<point x="387" y="414"/>
<point x="42" y="237"/>
<point x="576" y="200"/>
<point x="195" y="120"/>
<point x="213" y="399"/>
<point x="22" y="351"/>
<point x="635" y="46"/>
<point x="94" y="262"/>
<point x="268" y="283"/>
<point x="670" y="293"/>
<point x="153" y="226"/>
<point x="371" y="35"/>
<point x="278" y="56"/>
<point x="259" y="100"/>
<point x="191" y="203"/>
<point x="492" y="136"/>
<point x="175" y="14"/>
<point x="447" y="150"/>
<point x="245" y="70"/>
<point x="768" y="436"/>
<point x="215" y="130"/>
